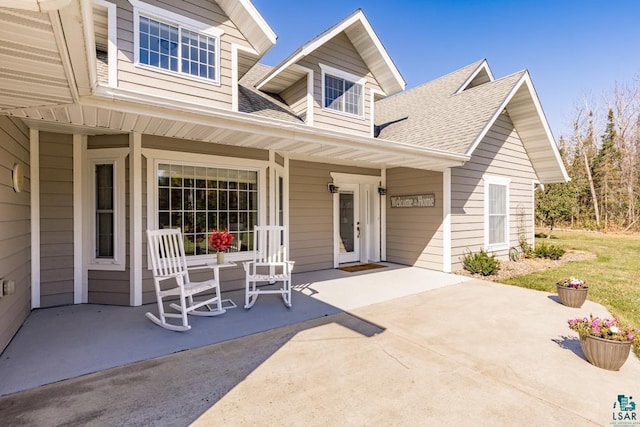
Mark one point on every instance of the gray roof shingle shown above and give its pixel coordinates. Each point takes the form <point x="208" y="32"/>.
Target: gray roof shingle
<point x="254" y="101"/>
<point x="433" y="116"/>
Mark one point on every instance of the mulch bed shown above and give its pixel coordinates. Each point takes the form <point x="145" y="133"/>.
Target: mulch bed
<point x="524" y="266"/>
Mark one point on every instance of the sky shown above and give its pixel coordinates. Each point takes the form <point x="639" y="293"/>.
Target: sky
<point x="571" y="48"/>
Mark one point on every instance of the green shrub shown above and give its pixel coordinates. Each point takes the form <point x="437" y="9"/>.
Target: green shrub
<point x="544" y="250"/>
<point x="481" y="263"/>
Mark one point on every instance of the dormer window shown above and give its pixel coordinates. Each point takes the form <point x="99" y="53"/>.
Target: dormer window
<point x="342" y="92"/>
<point x="169" y="42"/>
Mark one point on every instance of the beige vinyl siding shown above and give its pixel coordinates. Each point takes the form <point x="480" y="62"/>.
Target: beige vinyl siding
<point x="414" y="235"/>
<point x="296" y="97"/>
<point x="174" y="86"/>
<point x="15" y="234"/>
<point x="500" y="153"/>
<point x="311" y="212"/>
<point x="56" y="219"/>
<point x="339" y="53"/>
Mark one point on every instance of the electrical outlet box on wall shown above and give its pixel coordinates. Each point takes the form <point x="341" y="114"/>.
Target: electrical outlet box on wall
<point x="9" y="287"/>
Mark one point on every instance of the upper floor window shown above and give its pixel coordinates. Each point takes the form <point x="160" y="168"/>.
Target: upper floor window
<point x="342" y="91"/>
<point x="170" y="42"/>
<point x="496" y="212"/>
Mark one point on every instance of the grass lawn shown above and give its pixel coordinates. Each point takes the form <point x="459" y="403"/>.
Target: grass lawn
<point x="613" y="277"/>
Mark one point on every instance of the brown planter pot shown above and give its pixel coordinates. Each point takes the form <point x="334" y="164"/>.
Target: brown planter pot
<point x="605" y="354"/>
<point x="572" y="297"/>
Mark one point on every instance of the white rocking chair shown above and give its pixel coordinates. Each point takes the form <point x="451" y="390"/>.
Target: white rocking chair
<point x="168" y="262"/>
<point x="270" y="264"/>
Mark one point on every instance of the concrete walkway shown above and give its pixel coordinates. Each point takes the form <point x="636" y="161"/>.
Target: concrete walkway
<point x="474" y="353"/>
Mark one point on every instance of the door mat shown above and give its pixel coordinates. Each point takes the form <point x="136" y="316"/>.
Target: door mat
<point x="361" y="267"/>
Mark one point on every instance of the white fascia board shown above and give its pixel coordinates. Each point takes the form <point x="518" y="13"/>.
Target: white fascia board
<point x="132" y="102"/>
<point x="524" y="80"/>
<point x="238" y="11"/>
<point x="259" y="20"/>
<point x="112" y="37"/>
<point x="483" y="66"/>
<point x="308" y="48"/>
<point x="545" y="124"/>
<point x="383" y="52"/>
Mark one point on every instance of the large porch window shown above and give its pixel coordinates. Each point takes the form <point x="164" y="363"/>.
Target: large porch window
<point x="201" y="199"/>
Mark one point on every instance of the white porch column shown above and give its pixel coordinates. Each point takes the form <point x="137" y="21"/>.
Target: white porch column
<point x="80" y="285"/>
<point x="446" y="220"/>
<point x="34" y="174"/>
<point x="273" y="185"/>
<point x="135" y="218"/>
<point x="383" y="217"/>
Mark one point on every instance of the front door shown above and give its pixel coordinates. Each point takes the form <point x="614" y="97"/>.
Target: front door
<point x="348" y="224"/>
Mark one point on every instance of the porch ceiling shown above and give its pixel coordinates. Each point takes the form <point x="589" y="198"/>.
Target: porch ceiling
<point x="297" y="141"/>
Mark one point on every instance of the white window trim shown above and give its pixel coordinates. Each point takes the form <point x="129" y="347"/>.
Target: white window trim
<point x="325" y="69"/>
<point x="155" y="157"/>
<point x="171" y="18"/>
<point x="112" y="37"/>
<point x="116" y="157"/>
<point x="496" y="180"/>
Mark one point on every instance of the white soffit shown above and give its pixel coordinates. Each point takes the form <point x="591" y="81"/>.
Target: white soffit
<point x="32" y="72"/>
<point x="364" y="39"/>
<point x="526" y="113"/>
<point x="249" y="21"/>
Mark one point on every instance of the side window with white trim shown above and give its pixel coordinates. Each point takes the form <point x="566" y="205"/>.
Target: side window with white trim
<point x="106" y="195"/>
<point x="496" y="190"/>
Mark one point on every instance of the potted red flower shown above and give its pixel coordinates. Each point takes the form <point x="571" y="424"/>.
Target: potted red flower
<point x="220" y="240"/>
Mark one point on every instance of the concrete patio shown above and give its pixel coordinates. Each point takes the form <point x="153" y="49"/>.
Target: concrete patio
<point x="472" y="352"/>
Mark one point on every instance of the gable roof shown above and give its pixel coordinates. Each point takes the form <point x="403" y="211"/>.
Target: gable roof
<point x="454" y="114"/>
<point x="363" y="38"/>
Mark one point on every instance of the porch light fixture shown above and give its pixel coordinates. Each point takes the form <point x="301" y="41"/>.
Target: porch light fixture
<point x="332" y="188"/>
<point x="382" y="191"/>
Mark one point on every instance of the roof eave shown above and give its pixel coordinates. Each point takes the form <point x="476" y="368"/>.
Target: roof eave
<point x="547" y="152"/>
<point x="251" y="23"/>
<point x="392" y="84"/>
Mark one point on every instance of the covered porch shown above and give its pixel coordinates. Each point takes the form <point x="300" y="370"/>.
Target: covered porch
<point x="64" y="342"/>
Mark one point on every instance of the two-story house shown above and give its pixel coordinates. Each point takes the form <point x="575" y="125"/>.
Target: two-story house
<point x="126" y="115"/>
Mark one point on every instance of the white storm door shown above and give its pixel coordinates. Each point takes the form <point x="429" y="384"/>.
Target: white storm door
<point x="348" y="224"/>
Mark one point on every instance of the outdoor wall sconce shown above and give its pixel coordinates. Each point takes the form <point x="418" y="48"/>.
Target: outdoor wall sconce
<point x="332" y="188"/>
<point x="382" y="191"/>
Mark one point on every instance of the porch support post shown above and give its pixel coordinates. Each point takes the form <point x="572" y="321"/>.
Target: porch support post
<point x="80" y="285"/>
<point x="446" y="220"/>
<point x="34" y="176"/>
<point x="135" y="221"/>
<point x="285" y="201"/>
<point x="383" y="217"/>
<point x="273" y="184"/>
